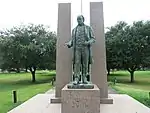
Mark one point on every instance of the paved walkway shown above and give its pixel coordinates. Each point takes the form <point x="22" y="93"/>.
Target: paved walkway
<point x="110" y="91"/>
<point x="51" y="91"/>
<point x="122" y="104"/>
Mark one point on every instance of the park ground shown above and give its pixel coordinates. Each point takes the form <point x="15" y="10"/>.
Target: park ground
<point x="21" y="82"/>
<point x="140" y="89"/>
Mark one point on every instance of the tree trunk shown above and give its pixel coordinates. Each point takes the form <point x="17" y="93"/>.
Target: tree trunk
<point x="32" y="70"/>
<point x="132" y="76"/>
<point x="18" y="70"/>
<point x="108" y="71"/>
<point x="131" y="70"/>
<point x="33" y="76"/>
<point x="26" y="69"/>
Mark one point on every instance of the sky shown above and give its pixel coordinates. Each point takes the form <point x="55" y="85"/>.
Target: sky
<point x="16" y="12"/>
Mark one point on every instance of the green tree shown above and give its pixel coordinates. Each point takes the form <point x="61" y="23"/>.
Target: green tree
<point x="130" y="45"/>
<point x="31" y="46"/>
<point x="134" y="53"/>
<point x="113" y="60"/>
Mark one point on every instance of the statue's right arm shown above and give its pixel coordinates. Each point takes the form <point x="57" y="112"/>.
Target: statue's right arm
<point x="92" y="37"/>
<point x="70" y="43"/>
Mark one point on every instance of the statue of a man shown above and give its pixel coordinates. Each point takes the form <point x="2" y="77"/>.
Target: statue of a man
<point x="82" y="39"/>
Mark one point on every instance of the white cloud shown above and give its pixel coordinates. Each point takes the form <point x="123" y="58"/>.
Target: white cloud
<point x="14" y="12"/>
<point x="126" y="10"/>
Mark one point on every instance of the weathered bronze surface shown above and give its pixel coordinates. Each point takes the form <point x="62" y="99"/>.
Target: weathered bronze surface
<point x="81" y="43"/>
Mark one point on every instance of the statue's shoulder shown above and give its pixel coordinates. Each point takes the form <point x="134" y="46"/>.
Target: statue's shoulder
<point x="74" y="29"/>
<point x="88" y="27"/>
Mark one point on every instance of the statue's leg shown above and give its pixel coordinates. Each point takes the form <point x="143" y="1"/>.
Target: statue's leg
<point x="85" y="59"/>
<point x="77" y="65"/>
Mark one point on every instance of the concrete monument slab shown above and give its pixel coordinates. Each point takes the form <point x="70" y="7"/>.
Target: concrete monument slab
<point x="99" y="76"/>
<point x="63" y="57"/>
<point x="41" y="104"/>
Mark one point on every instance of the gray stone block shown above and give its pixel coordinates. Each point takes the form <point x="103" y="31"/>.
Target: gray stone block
<point x="80" y="100"/>
<point x="99" y="76"/>
<point x="63" y="57"/>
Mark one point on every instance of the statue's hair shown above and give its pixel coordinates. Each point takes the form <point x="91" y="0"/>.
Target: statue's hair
<point x="81" y="16"/>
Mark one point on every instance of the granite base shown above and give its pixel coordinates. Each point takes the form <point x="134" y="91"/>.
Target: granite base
<point x="80" y="100"/>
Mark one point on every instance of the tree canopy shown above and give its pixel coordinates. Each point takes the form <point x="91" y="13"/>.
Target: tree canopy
<point x="128" y="46"/>
<point x="29" y="47"/>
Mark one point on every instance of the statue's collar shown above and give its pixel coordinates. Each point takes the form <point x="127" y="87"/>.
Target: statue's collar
<point x="81" y="25"/>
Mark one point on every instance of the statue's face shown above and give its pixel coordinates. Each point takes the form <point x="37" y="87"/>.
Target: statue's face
<point x="80" y="20"/>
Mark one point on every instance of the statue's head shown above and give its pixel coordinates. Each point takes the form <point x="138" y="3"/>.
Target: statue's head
<point x="80" y="19"/>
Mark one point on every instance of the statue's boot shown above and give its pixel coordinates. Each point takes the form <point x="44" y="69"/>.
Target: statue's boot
<point x="84" y="79"/>
<point x="76" y="81"/>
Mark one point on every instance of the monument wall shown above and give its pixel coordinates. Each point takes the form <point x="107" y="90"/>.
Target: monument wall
<point x="64" y="58"/>
<point x="99" y="76"/>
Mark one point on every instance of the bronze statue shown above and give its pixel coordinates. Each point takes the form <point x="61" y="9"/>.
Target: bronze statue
<point x="82" y="39"/>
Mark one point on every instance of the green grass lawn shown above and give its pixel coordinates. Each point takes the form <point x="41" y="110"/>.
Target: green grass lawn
<point x="21" y="82"/>
<point x="139" y="89"/>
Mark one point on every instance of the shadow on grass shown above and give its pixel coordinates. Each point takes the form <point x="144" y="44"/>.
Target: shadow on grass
<point x="46" y="79"/>
<point x="118" y="74"/>
<point x="45" y="74"/>
<point x="141" y="83"/>
<point x="25" y="82"/>
<point x="147" y="102"/>
<point x="13" y="105"/>
<point x="119" y="79"/>
<point x="127" y="81"/>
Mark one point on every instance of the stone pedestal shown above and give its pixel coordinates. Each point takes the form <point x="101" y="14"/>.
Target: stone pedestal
<point x="80" y="100"/>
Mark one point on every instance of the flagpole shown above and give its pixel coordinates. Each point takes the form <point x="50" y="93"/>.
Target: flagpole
<point x="81" y="6"/>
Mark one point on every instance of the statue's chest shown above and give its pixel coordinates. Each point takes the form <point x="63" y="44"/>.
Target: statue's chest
<point x="80" y="35"/>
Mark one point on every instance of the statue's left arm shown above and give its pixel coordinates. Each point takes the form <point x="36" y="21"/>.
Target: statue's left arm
<point x="92" y="37"/>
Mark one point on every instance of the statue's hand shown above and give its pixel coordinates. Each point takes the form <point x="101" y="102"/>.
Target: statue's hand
<point x="68" y="44"/>
<point x="86" y="43"/>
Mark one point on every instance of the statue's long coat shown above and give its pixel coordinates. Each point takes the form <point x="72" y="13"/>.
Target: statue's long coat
<point x="89" y="35"/>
